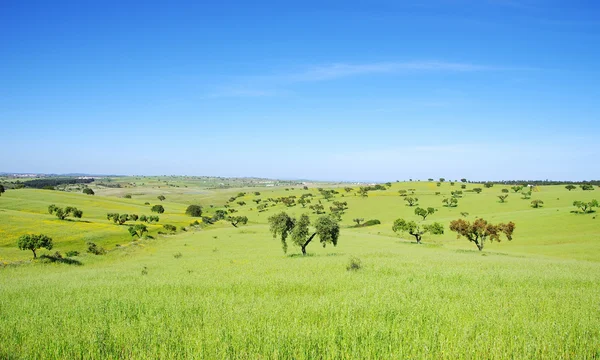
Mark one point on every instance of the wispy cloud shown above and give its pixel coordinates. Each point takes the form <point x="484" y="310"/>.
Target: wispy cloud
<point x="342" y="70"/>
<point x="272" y="84"/>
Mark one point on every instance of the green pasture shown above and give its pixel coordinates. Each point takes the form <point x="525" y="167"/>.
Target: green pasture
<point x="225" y="292"/>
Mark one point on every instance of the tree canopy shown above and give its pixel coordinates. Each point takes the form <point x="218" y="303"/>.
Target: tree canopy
<point x="62" y="214"/>
<point x="158" y="209"/>
<point x="480" y="230"/>
<point x="417" y="230"/>
<point x="34" y="242"/>
<point x="424" y="212"/>
<point x="283" y="226"/>
<point x="194" y="210"/>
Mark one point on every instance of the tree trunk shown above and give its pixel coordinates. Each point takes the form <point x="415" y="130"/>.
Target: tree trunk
<point x="34" y="254"/>
<point x="234" y="224"/>
<point x="306" y="243"/>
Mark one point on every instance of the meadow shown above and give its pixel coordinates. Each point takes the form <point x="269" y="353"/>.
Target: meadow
<point x="216" y="291"/>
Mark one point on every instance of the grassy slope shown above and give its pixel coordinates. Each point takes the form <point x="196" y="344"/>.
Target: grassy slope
<point x="234" y="294"/>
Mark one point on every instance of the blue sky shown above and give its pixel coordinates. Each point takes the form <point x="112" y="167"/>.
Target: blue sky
<point x="335" y="90"/>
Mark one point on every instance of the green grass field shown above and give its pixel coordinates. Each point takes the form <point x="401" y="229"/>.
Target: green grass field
<point x="225" y="292"/>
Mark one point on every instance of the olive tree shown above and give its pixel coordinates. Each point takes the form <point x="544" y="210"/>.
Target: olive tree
<point x="194" y="210"/>
<point x="284" y="226"/>
<point x="137" y="230"/>
<point x="424" y="212"/>
<point x="586" y="207"/>
<point x="158" y="209"/>
<point x="411" y="201"/>
<point x="237" y="220"/>
<point x="537" y="204"/>
<point x="66" y="212"/>
<point x="480" y="231"/>
<point x="34" y="242"/>
<point x="417" y="230"/>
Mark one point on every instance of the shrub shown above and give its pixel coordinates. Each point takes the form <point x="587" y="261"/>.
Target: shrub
<point x="194" y="210"/>
<point x="354" y="264"/>
<point x="95" y="249"/>
<point x="158" y="209"/>
<point x="371" y="222"/>
<point x="177" y="255"/>
<point x="170" y="228"/>
<point x="88" y="191"/>
<point x="127" y="196"/>
<point x="72" y="253"/>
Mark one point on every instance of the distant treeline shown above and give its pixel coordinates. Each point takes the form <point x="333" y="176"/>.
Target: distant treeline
<point x="45" y="183"/>
<point x="542" y="182"/>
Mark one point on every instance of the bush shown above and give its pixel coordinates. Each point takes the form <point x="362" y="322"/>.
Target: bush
<point x="128" y="196"/>
<point x="170" y="228"/>
<point x="88" y="191"/>
<point x="95" y="249"/>
<point x="194" y="210"/>
<point x="177" y="255"/>
<point x="371" y="222"/>
<point x="158" y="209"/>
<point x="354" y="264"/>
<point x="71" y="253"/>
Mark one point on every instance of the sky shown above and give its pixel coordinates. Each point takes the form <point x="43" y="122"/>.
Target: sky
<point x="326" y="90"/>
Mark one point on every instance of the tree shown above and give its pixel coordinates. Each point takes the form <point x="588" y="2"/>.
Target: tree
<point x="570" y="187"/>
<point x="143" y="218"/>
<point x="348" y="189"/>
<point x="33" y="242"/>
<point x="363" y="191"/>
<point x="219" y="215"/>
<point x="457" y="194"/>
<point x="505" y="191"/>
<point x="411" y="200"/>
<point x="133" y="217"/>
<point x="66" y="212"/>
<point x="241" y="203"/>
<point x="158" y="209"/>
<point x="586" y="187"/>
<point x="88" y="191"/>
<point x="502" y="197"/>
<point x="463" y="186"/>
<point x="488" y="185"/>
<point x="463" y="180"/>
<point x="480" y="230"/>
<point x="417" y="230"/>
<point x="477" y="190"/>
<point x="388" y="184"/>
<point x="537" y="203"/>
<point x="170" y="228"/>
<point x="424" y="212"/>
<point x="194" y="210"/>
<point x="302" y="201"/>
<point x="358" y="221"/>
<point x="235" y="220"/>
<point x="138" y="229"/>
<point x="516" y="188"/>
<point x="450" y="202"/>
<point x="282" y="225"/>
<point x="161" y="197"/>
<point x="442" y="180"/>
<point x="586" y="207"/>
<point x="2" y="190"/>
<point x="317" y="208"/>
<point x="402" y="192"/>
<point x="526" y="194"/>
